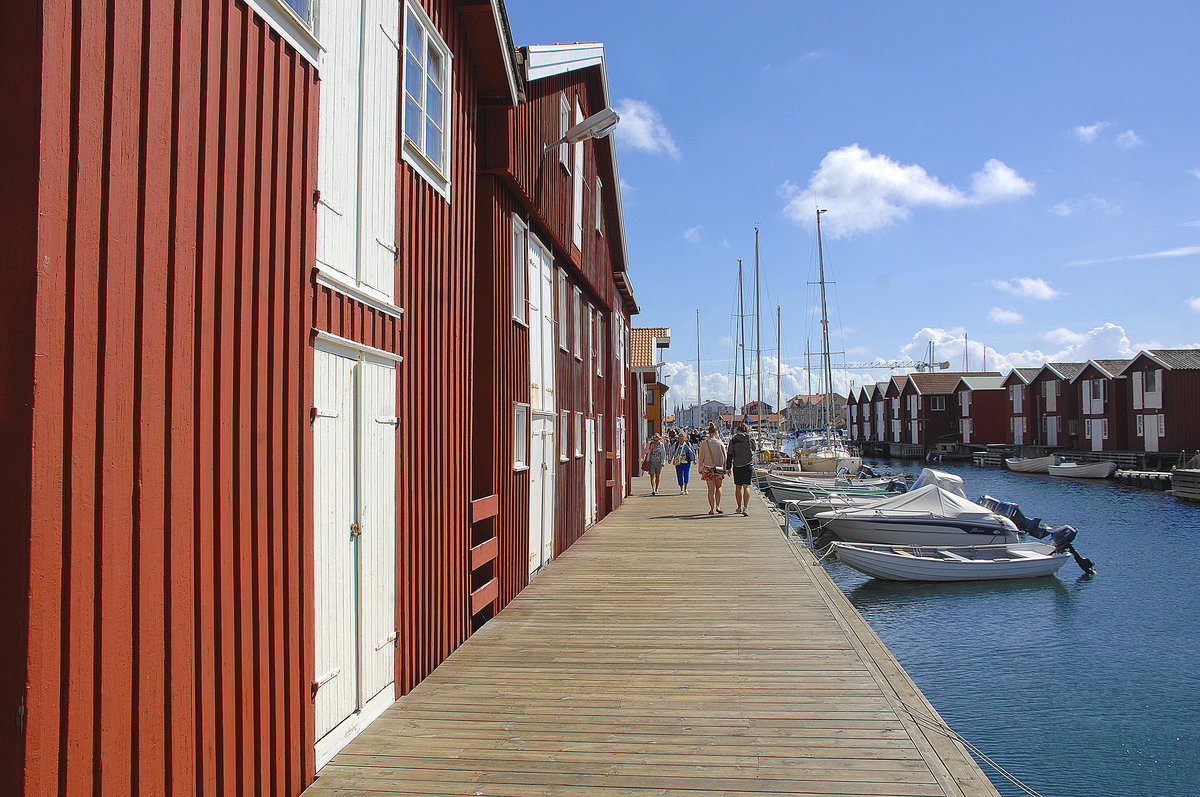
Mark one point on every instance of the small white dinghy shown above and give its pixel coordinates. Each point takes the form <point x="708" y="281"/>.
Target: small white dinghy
<point x="1030" y="465"/>
<point x="1084" y="470"/>
<point x="952" y="563"/>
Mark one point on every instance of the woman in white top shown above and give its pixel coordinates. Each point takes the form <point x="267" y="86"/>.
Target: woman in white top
<point x="710" y="458"/>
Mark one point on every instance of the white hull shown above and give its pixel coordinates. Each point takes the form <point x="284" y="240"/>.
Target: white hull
<point x="901" y="563"/>
<point x="1031" y="465"/>
<point x="823" y="462"/>
<point x="1084" y="470"/>
<point x="895" y="530"/>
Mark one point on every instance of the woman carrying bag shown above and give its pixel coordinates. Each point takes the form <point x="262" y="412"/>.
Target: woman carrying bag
<point x="710" y="458"/>
<point x="682" y="457"/>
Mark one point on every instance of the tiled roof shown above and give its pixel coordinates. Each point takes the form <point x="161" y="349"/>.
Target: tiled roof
<point x="1175" y="358"/>
<point x="942" y="382"/>
<point x="1113" y="367"/>
<point x="641" y="345"/>
<point x="1067" y="371"/>
<point x="1025" y="375"/>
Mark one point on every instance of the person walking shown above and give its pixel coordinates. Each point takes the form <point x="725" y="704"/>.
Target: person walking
<point x="656" y="456"/>
<point x="740" y="462"/>
<point x="682" y="456"/>
<point x="710" y="458"/>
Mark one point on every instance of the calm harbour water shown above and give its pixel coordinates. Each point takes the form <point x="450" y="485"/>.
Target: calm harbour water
<point x="1077" y="685"/>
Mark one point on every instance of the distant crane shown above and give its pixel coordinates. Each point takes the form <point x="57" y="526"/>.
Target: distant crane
<point x="892" y="365"/>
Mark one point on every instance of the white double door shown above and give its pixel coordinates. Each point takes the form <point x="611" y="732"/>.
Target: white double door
<point x="543" y="456"/>
<point x="354" y="542"/>
<point x="543" y="453"/>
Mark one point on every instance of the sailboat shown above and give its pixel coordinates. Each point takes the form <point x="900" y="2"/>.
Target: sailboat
<point x="828" y="453"/>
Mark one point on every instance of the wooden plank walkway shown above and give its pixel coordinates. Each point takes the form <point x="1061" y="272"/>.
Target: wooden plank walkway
<point x="668" y="653"/>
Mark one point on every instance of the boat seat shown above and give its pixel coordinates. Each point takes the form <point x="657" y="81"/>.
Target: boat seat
<point x="954" y="556"/>
<point x="1026" y="554"/>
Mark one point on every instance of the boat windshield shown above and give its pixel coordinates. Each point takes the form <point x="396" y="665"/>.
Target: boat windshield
<point x="947" y="481"/>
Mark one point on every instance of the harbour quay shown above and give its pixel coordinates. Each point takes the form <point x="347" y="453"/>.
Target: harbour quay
<point x="666" y="652"/>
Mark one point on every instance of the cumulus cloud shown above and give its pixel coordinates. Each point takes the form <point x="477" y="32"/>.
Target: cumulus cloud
<point x="867" y="192"/>
<point x="1002" y="316"/>
<point x="1107" y="341"/>
<point x="1070" y="207"/>
<point x="1034" y="288"/>
<point x="643" y="128"/>
<point x="1194" y="303"/>
<point x="692" y="234"/>
<point x="1181" y="251"/>
<point x="1129" y="140"/>
<point x="1089" y="133"/>
<point x="1194" y="173"/>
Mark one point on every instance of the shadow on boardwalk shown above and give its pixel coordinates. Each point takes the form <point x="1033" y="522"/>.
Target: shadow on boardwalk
<point x="666" y="652"/>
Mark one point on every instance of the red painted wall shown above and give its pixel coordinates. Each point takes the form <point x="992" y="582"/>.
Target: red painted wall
<point x="167" y="649"/>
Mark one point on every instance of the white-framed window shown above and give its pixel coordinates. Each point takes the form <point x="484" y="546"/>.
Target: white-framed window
<point x="599" y="344"/>
<point x="564" y="124"/>
<point x="1162" y="425"/>
<point x="1087" y="430"/>
<point x="1141" y="426"/>
<point x="563" y="310"/>
<point x="578" y="310"/>
<point x="599" y="204"/>
<point x="520" y="436"/>
<point x="937" y="403"/>
<point x="1151" y="381"/>
<point x="520" y="267"/>
<point x="564" y="421"/>
<point x="600" y="432"/>
<point x="577" y="185"/>
<point x="578" y="435"/>
<point x="293" y="20"/>
<point x="427" y="73"/>
<point x="1104" y="428"/>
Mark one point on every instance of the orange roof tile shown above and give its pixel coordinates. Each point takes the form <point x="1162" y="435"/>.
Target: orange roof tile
<point x="641" y="345"/>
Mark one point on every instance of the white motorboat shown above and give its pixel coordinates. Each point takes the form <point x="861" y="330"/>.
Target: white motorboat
<point x="832" y="499"/>
<point x="1030" y="464"/>
<point x="953" y="563"/>
<point x="929" y="515"/>
<point x="1084" y="470"/>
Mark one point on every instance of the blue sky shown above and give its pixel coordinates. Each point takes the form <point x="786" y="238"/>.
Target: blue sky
<point x="1024" y="176"/>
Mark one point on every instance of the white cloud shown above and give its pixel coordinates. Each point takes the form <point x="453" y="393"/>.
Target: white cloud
<point x="642" y="128"/>
<point x="1107" y="341"/>
<point x="865" y="192"/>
<point x="1129" y="140"/>
<point x="1002" y="316"/>
<point x="692" y="234"/>
<point x="1182" y="251"/>
<point x="1194" y="303"/>
<point x="1088" y="133"/>
<point x="1194" y="173"/>
<point x="1070" y="207"/>
<point x="1034" y="288"/>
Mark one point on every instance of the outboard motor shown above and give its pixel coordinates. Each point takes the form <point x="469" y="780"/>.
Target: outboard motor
<point x="1034" y="527"/>
<point x="1062" y="537"/>
<point x="897" y="486"/>
<point x="865" y="471"/>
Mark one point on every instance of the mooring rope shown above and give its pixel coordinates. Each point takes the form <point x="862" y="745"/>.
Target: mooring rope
<point x="935" y="724"/>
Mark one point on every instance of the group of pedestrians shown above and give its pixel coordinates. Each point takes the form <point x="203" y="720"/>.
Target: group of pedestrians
<point x="713" y="458"/>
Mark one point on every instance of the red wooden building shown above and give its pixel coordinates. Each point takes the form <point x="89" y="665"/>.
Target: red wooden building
<point x="892" y="409"/>
<point x="252" y="347"/>
<point x="1164" y="392"/>
<point x="1019" y="417"/>
<point x="1103" y="405"/>
<point x="980" y="403"/>
<point x="928" y="413"/>
<point x="854" y="425"/>
<point x="878" y="412"/>
<point x="1055" y="419"/>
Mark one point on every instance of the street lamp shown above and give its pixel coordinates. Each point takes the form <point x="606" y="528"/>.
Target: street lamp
<point x="598" y="125"/>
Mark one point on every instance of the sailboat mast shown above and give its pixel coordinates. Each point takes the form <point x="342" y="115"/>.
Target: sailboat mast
<point x="697" y="367"/>
<point x="828" y="371"/>
<point x="737" y="341"/>
<point x="778" y="368"/>
<point x="758" y="336"/>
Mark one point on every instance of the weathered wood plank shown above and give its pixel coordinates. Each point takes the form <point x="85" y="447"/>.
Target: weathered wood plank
<point x="665" y="653"/>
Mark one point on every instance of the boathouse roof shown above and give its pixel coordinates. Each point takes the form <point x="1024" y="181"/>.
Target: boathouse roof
<point x="1067" y="371"/>
<point x="941" y="383"/>
<point x="1023" y="375"/>
<point x="1109" y="368"/>
<point x="981" y="382"/>
<point x="1170" y="359"/>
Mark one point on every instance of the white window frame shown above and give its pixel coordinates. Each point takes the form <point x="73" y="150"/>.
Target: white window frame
<point x="564" y="124"/>
<point x="1104" y="428"/>
<point x="600" y="432"/>
<point x="295" y="27"/>
<point x="436" y="174"/>
<point x="577" y="185"/>
<point x="599" y="205"/>
<point x="520" y="271"/>
<point x="578" y="310"/>
<point x="937" y="403"/>
<point x="1162" y="425"/>
<point x="599" y="340"/>
<point x="1141" y="428"/>
<point x="520" y="436"/>
<point x="563" y="310"/>
<point x="578" y="435"/>
<point x="563" y="428"/>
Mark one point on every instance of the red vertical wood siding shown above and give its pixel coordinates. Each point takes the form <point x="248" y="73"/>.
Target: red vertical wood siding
<point x="1180" y="389"/>
<point x="167" y="515"/>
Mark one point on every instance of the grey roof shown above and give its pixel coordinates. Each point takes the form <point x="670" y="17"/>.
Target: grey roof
<point x="1024" y="374"/>
<point x="1170" y="359"/>
<point x="1067" y="371"/>
<point x="1110" y="368"/>
<point x="981" y="382"/>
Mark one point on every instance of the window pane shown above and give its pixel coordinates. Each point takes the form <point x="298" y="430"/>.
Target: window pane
<point x="412" y="79"/>
<point x="433" y="143"/>
<point x="412" y="120"/>
<point x="433" y="103"/>
<point x="300" y="7"/>
<point x="412" y="38"/>
<point x="434" y="62"/>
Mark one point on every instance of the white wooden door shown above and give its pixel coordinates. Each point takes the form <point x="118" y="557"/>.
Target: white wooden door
<point x="966" y="429"/>
<point x="1051" y="389"/>
<point x="335" y="555"/>
<point x="1018" y="395"/>
<point x="379" y="86"/>
<point x="1051" y="427"/>
<point x="542" y="456"/>
<point x="354" y="542"/>
<point x="589" y="471"/>
<point x="1150" y="429"/>
<point x="540" y="271"/>
<point x="1097" y="434"/>
<point x="1018" y="430"/>
<point x="620" y="463"/>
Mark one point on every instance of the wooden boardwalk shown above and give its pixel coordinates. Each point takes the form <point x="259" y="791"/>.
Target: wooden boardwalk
<point x="666" y="653"/>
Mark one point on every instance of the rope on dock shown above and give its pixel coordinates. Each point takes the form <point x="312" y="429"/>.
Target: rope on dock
<point x="936" y="724"/>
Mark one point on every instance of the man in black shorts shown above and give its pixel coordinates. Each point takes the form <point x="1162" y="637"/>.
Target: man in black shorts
<point x="739" y="460"/>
